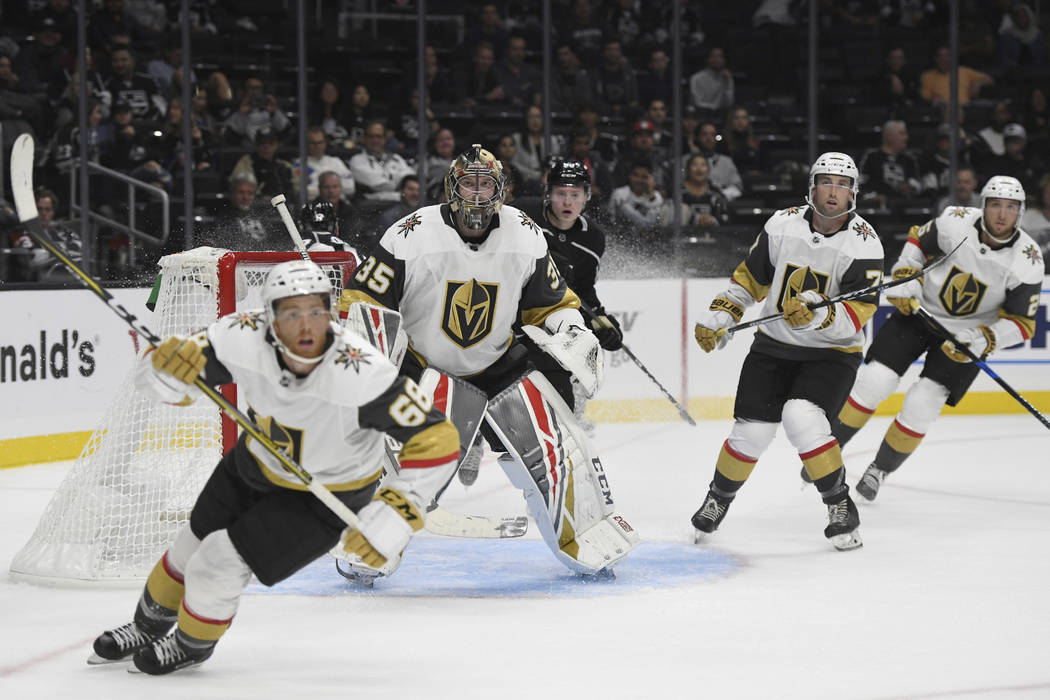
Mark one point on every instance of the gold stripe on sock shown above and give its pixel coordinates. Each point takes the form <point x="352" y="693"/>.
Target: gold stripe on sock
<point x="165" y="585"/>
<point x="198" y="627"/>
<point x="853" y="414"/>
<point x="823" y="460"/>
<point x="901" y="439"/>
<point x="734" y="465"/>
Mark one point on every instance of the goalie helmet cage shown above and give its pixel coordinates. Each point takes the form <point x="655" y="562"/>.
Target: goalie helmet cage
<point x="132" y="488"/>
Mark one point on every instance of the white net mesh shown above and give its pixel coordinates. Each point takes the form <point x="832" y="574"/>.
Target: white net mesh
<point x="136" y="480"/>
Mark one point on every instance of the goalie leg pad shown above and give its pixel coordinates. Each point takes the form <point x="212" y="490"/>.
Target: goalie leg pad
<point x="566" y="488"/>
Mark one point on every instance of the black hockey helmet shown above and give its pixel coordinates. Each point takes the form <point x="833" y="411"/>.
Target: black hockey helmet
<point x="319" y="216"/>
<point x="567" y="173"/>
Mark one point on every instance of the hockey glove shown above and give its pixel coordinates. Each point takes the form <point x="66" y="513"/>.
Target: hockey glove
<point x="182" y="359"/>
<point x="722" y="314"/>
<point x="607" y="328"/>
<point x="980" y="340"/>
<point x="387" y="524"/>
<point x="905" y="296"/>
<point x="800" y="316"/>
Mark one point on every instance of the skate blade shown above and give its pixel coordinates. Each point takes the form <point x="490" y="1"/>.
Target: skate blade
<point x="867" y="495"/>
<point x="701" y="537"/>
<point x="605" y="574"/>
<point x="847" y="541"/>
<point x="365" y="580"/>
<point x="96" y="660"/>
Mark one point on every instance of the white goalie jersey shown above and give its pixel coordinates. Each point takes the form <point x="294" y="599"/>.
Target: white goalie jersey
<point x="460" y="300"/>
<point x="977" y="285"/>
<point x="789" y="257"/>
<point x="332" y="420"/>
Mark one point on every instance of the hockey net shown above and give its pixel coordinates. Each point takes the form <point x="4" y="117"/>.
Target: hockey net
<point x="134" y="484"/>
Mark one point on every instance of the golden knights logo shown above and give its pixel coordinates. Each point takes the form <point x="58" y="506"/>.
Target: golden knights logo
<point x="246" y="319"/>
<point x="863" y="230"/>
<point x="349" y="356"/>
<point x="961" y="293"/>
<point x="288" y="439"/>
<point x="1033" y="254"/>
<point x="799" y="279"/>
<point x="408" y="224"/>
<point x="527" y="222"/>
<point x="959" y="212"/>
<point x="792" y="211"/>
<point x="468" y="311"/>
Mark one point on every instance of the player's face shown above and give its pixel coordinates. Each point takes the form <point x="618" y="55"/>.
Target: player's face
<point x="567" y="202"/>
<point x="832" y="194"/>
<point x="301" y="324"/>
<point x="477" y="189"/>
<point x="1000" y="216"/>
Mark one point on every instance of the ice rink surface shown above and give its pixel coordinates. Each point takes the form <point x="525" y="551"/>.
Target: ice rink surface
<point x="948" y="598"/>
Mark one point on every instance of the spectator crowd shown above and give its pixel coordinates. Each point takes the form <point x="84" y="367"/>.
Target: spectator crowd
<point x="884" y="87"/>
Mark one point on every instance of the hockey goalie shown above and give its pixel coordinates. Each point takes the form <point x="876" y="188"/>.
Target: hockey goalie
<point x="462" y="276"/>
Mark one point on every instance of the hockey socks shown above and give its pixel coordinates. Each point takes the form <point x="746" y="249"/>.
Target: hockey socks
<point x="851" y="418"/>
<point x="897" y="446"/>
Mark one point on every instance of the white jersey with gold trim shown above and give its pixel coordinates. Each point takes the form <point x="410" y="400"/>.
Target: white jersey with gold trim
<point x="977" y="284"/>
<point x="790" y="257"/>
<point x="461" y="299"/>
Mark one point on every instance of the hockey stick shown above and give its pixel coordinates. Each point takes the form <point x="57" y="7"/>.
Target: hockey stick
<point x="965" y="350"/>
<point x="623" y="346"/>
<point x="843" y="297"/>
<point x="278" y="203"/>
<point x="25" y="205"/>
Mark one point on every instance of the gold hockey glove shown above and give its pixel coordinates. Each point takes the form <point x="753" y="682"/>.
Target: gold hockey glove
<point x="387" y="524"/>
<point x="980" y="341"/>
<point x="182" y="359"/>
<point x="905" y="296"/>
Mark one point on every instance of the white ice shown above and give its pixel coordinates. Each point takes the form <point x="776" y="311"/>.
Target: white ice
<point x="948" y="598"/>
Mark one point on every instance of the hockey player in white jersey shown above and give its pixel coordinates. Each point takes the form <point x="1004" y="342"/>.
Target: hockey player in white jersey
<point x="325" y="396"/>
<point x="799" y="369"/>
<point x="986" y="295"/>
<point x="463" y="275"/>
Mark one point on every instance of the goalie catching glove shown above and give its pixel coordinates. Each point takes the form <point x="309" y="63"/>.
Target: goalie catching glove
<point x="905" y="296"/>
<point x="724" y="312"/>
<point x="980" y="340"/>
<point x="572" y="346"/>
<point x="387" y="524"/>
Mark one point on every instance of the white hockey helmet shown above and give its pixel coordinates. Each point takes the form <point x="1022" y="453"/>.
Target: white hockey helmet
<point x="834" y="163"/>
<point x="291" y="279"/>
<point x="1003" y="187"/>
<point x="472" y="167"/>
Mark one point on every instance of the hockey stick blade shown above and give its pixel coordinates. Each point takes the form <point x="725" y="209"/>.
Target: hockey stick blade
<point x="25" y="204"/>
<point x="844" y="297"/>
<point x="442" y="522"/>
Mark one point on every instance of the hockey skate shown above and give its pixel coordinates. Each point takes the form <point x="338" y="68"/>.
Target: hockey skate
<point x="711" y="513"/>
<point x="869" y="484"/>
<point x="169" y="654"/>
<point x="120" y="644"/>
<point x="843" y="524"/>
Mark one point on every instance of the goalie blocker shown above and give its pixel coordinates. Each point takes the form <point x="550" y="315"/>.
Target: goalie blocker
<point x="565" y="486"/>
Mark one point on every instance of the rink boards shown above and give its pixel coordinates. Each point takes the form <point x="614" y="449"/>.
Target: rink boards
<point x="64" y="357"/>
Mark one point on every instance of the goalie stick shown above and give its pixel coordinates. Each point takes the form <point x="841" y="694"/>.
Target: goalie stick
<point x="25" y="205"/>
<point x="438" y="520"/>
<point x="842" y="297"/>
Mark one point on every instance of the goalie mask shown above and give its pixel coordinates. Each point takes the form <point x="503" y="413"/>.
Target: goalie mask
<point x="291" y="279"/>
<point x="475" y="187"/>
<point x="834" y="163"/>
<point x="319" y="216"/>
<point x="567" y="173"/>
<point x="1003" y="187"/>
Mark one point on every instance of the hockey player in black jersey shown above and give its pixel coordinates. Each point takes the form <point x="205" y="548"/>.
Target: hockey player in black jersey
<point x="576" y="243"/>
